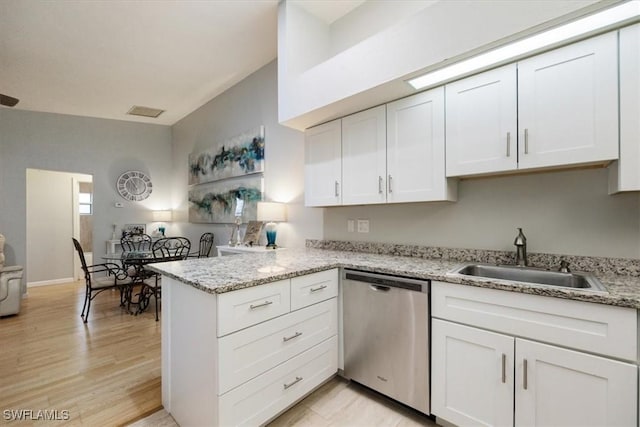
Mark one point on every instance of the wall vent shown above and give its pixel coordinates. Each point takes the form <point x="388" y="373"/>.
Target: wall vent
<point x="137" y="110"/>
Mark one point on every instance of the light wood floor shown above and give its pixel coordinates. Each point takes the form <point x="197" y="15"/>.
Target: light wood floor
<point x="105" y="372"/>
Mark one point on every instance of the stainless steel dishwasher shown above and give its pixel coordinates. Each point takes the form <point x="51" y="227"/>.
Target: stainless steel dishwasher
<point x="386" y="335"/>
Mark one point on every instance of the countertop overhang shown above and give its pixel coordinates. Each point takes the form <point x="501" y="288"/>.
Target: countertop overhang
<point x="230" y="273"/>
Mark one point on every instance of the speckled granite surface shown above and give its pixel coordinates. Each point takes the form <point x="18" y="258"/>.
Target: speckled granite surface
<point x="225" y="274"/>
<point x="596" y="265"/>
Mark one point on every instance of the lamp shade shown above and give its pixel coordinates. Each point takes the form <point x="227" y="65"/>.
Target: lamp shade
<point x="272" y="212"/>
<point x="161" y="216"/>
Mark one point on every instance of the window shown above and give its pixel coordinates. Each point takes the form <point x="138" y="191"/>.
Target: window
<point x="86" y="205"/>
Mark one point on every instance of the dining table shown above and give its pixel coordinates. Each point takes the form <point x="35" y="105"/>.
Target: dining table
<point x="133" y="263"/>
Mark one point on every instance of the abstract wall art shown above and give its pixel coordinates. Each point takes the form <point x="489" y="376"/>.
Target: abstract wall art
<point x="222" y="201"/>
<point x="238" y="156"/>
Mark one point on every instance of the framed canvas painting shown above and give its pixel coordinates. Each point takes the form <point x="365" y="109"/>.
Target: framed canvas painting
<point x="237" y="156"/>
<point x="222" y="201"/>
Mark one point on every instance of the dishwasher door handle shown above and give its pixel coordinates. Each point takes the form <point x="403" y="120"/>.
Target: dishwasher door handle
<point x="379" y="288"/>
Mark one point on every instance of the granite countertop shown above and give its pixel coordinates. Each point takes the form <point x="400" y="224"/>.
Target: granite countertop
<point x="230" y="273"/>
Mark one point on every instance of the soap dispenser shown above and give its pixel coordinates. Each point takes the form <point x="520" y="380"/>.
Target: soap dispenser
<point x="521" y="248"/>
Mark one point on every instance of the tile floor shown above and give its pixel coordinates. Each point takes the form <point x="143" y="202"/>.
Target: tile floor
<point x="336" y="403"/>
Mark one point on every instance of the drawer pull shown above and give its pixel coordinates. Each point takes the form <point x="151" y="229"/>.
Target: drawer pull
<point x="319" y="288"/>
<point x="292" y="383"/>
<point x="296" y="335"/>
<point x="264" y="304"/>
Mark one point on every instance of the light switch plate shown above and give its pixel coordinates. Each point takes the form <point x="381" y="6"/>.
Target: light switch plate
<point x="363" y="226"/>
<point x="351" y="226"/>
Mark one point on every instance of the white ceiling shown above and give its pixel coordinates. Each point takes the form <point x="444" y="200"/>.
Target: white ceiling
<point x="99" y="58"/>
<point x="329" y="10"/>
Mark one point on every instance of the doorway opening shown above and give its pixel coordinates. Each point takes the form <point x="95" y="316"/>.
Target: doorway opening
<point x="59" y="206"/>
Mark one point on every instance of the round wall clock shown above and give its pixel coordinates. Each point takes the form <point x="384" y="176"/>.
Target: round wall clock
<point x="134" y="185"/>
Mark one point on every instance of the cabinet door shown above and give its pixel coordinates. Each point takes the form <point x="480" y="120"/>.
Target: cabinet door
<point x="323" y="165"/>
<point x="568" y="104"/>
<point x="472" y="375"/>
<point x="415" y="149"/>
<point x="625" y="175"/>
<point x="481" y="128"/>
<point x="364" y="157"/>
<point x="562" y="387"/>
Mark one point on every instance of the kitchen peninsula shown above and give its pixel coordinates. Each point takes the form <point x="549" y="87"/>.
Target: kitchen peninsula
<point x="218" y="365"/>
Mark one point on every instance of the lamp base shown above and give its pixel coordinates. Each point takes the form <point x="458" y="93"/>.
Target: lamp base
<point x="271" y="237"/>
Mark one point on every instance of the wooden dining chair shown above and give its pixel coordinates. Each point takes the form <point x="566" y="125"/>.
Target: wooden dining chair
<point x="204" y="249"/>
<point x="164" y="250"/>
<point x="96" y="281"/>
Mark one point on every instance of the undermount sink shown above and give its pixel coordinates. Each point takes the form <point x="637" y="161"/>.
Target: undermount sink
<point x="531" y="275"/>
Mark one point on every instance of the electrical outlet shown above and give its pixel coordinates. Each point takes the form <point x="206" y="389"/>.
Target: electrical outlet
<point x="351" y="226"/>
<point x="119" y="205"/>
<point x="363" y="226"/>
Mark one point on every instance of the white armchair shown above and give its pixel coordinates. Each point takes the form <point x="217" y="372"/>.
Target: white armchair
<point x="10" y="289"/>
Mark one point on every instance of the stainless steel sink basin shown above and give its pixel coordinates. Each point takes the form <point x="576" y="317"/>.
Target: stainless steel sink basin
<point x="531" y="275"/>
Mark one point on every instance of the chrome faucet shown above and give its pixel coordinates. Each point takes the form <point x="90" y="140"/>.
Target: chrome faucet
<point x="521" y="249"/>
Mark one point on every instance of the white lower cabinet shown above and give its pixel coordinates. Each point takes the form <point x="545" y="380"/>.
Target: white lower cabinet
<point x="472" y="375"/>
<point x="266" y="355"/>
<point x="556" y="386"/>
<point x="493" y="378"/>
<point x="257" y="401"/>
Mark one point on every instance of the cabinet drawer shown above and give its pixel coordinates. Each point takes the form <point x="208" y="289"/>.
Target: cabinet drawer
<point x="245" y="307"/>
<point x="257" y="401"/>
<point x="252" y="351"/>
<point x="597" y="328"/>
<point x="313" y="288"/>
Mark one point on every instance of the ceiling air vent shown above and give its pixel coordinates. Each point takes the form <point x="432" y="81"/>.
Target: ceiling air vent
<point x="137" y="110"/>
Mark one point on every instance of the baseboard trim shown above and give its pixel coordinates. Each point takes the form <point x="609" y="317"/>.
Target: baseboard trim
<point x="50" y="282"/>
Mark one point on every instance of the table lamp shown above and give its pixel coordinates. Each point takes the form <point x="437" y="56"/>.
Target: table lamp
<point x="271" y="213"/>
<point x="162" y="217"/>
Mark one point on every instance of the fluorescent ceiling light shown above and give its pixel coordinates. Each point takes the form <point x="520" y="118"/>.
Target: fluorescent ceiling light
<point x="573" y="29"/>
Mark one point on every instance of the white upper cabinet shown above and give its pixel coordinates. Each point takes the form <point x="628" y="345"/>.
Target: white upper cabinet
<point x="562" y="111"/>
<point x="416" y="149"/>
<point x="568" y="104"/>
<point x="364" y="157"/>
<point x="624" y="175"/>
<point x="323" y="165"/>
<point x="482" y="123"/>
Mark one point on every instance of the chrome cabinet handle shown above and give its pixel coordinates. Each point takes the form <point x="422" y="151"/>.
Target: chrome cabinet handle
<point x="389" y="184"/>
<point x="319" y="288"/>
<point x="337" y="189"/>
<point x="297" y="380"/>
<point x="524" y="375"/>
<point x="526" y="141"/>
<point x="508" y="144"/>
<point x="296" y="335"/>
<point x="504" y="368"/>
<point x="264" y="304"/>
<point x="380" y="185"/>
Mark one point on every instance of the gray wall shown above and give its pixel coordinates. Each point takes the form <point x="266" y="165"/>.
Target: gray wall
<point x="99" y="147"/>
<point x="561" y="212"/>
<point x="250" y="103"/>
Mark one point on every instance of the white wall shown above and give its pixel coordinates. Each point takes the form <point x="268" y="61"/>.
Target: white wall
<point x="561" y="212"/>
<point x="250" y="103"/>
<point x="50" y="225"/>
<point x="373" y="71"/>
<point x="98" y="147"/>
